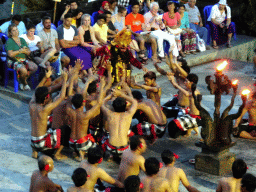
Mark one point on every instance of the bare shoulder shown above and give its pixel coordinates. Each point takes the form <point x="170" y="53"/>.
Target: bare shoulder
<point x="197" y="92"/>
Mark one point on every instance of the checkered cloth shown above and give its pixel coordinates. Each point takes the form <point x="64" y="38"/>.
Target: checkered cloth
<point x="51" y="140"/>
<point x="124" y="3"/>
<point x="116" y="151"/>
<point x="149" y="130"/>
<point x="180" y="111"/>
<point x="82" y="144"/>
<point x="186" y="122"/>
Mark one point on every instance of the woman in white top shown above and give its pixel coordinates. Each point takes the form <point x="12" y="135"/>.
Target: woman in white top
<point x="38" y="54"/>
<point x="220" y="20"/>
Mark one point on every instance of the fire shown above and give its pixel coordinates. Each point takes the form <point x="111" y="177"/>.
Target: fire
<point x="246" y="92"/>
<point x="222" y="66"/>
<point x="234" y="82"/>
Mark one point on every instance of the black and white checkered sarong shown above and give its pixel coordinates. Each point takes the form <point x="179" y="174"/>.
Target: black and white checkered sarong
<point x="124" y="3"/>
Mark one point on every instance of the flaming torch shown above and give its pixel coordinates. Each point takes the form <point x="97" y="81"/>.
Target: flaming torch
<point x="221" y="66"/>
<point x="235" y="85"/>
<point x="245" y="94"/>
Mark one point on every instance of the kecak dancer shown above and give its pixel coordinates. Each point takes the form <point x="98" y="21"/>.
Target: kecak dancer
<point x="121" y="58"/>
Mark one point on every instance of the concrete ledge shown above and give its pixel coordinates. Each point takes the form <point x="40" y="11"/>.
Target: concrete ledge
<point x="24" y="96"/>
<point x="242" y="50"/>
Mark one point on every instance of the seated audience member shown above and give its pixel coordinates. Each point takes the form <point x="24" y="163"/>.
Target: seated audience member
<point x="135" y="22"/>
<point x="79" y="117"/>
<point x="132" y="184"/>
<point x="18" y="52"/>
<point x="178" y="126"/>
<point x="101" y="30"/>
<point x="40" y="108"/>
<point x="152" y="182"/>
<point x="16" y="19"/>
<point x="220" y="20"/>
<point x="104" y="7"/>
<point x="50" y="41"/>
<point x="233" y="184"/>
<point x="152" y="120"/>
<point x="40" y="26"/>
<point x="132" y="161"/>
<point x="153" y="91"/>
<point x="79" y="177"/>
<point x="119" y="19"/>
<point x="35" y="43"/>
<point x="87" y="34"/>
<point x="110" y="25"/>
<point x="69" y="41"/>
<point x="95" y="157"/>
<point x="248" y="183"/>
<point x="113" y="6"/>
<point x="172" y="23"/>
<point x="40" y="180"/>
<point x="188" y="35"/>
<point x="247" y="130"/>
<point x="76" y="17"/>
<point x="70" y="7"/>
<point x="154" y="23"/>
<point x="117" y="122"/>
<point x="173" y="174"/>
<point x="195" y="20"/>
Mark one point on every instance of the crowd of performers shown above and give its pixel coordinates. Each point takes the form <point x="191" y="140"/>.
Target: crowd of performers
<point x="92" y="115"/>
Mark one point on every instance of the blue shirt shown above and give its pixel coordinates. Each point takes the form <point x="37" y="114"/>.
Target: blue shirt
<point x="21" y="27"/>
<point x="40" y="26"/>
<point x="184" y="21"/>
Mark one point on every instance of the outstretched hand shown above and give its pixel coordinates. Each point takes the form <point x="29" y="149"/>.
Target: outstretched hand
<point x="144" y="69"/>
<point x="49" y="73"/>
<point x="65" y="75"/>
<point x="78" y="64"/>
<point x="116" y="92"/>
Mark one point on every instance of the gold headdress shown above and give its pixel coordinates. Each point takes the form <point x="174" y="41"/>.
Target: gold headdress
<point x="123" y="38"/>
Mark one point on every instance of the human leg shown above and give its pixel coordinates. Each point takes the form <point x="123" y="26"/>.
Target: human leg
<point x="192" y="41"/>
<point x="65" y="60"/>
<point x="160" y="40"/>
<point x="215" y="34"/>
<point x="46" y="56"/>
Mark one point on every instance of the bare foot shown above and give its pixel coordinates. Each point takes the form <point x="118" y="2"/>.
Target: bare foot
<point x="60" y="157"/>
<point x="187" y="135"/>
<point x="34" y="154"/>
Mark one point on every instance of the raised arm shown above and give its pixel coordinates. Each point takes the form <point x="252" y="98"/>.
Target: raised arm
<point x="181" y="70"/>
<point x="238" y="120"/>
<point x="89" y="80"/>
<point x="185" y="182"/>
<point x="107" y="178"/>
<point x="175" y="84"/>
<point x="109" y="79"/>
<point x="160" y="70"/>
<point x="104" y="106"/>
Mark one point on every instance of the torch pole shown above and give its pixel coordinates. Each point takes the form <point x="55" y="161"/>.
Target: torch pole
<point x="12" y="8"/>
<point x="54" y="14"/>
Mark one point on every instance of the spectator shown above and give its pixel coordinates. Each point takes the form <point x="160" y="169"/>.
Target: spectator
<point x="86" y="33"/>
<point x="18" y="52"/>
<point x="135" y="22"/>
<point x="229" y="184"/>
<point x="248" y="183"/>
<point x="73" y="5"/>
<point x="188" y="35"/>
<point x="195" y="20"/>
<point x="110" y="25"/>
<point x="153" y="23"/>
<point x="101" y="30"/>
<point x="69" y="41"/>
<point x="104" y="7"/>
<point x="113" y="6"/>
<point x="76" y="19"/>
<point x="172" y="22"/>
<point x="34" y="43"/>
<point x="220" y="25"/>
<point x="50" y="40"/>
<point x="16" y="19"/>
<point x="119" y="19"/>
<point x="40" y="26"/>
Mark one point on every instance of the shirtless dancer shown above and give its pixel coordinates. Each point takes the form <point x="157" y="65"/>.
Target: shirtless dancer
<point x="152" y="120"/>
<point x="79" y="140"/>
<point x="247" y="130"/>
<point x="118" y="122"/>
<point x="248" y="183"/>
<point x="79" y="178"/>
<point x="152" y="182"/>
<point x="132" y="161"/>
<point x="172" y="174"/>
<point x="40" y="181"/>
<point x="184" y="124"/>
<point x="180" y="102"/>
<point x="40" y="108"/>
<point x="233" y="184"/>
<point x="95" y="157"/>
<point x="132" y="184"/>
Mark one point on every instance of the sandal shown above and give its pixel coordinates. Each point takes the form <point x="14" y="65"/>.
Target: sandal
<point x="229" y="45"/>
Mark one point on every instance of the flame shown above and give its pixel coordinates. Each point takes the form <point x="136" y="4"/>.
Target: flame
<point x="222" y="66"/>
<point x="246" y="92"/>
<point x="234" y="82"/>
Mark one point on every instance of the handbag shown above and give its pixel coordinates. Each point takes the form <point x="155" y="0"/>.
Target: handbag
<point x="200" y="44"/>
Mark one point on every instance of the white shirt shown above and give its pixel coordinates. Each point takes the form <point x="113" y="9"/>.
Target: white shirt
<point x="31" y="44"/>
<point x="193" y="13"/>
<point x="215" y="14"/>
<point x="69" y="34"/>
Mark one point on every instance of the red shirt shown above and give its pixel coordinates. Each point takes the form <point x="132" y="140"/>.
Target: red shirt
<point x="171" y="22"/>
<point x="134" y="22"/>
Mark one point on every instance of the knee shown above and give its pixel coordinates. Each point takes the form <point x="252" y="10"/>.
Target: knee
<point x="65" y="59"/>
<point x="153" y="41"/>
<point x="23" y="71"/>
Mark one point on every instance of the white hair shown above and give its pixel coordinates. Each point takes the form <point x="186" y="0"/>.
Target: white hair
<point x="84" y="16"/>
<point x="153" y="4"/>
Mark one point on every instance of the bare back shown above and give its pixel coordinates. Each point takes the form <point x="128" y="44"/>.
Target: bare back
<point x="172" y="175"/>
<point x="153" y="112"/>
<point x="252" y="112"/>
<point x="91" y="100"/>
<point x="183" y="99"/>
<point x="130" y="165"/>
<point x="229" y="184"/>
<point x="40" y="183"/>
<point x="59" y="115"/>
<point x="193" y="109"/>
<point x="154" y="184"/>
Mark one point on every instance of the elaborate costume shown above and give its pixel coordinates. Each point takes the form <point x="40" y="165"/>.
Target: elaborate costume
<point x="120" y="56"/>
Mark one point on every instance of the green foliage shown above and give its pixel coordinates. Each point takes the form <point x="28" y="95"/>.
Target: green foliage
<point x="38" y="5"/>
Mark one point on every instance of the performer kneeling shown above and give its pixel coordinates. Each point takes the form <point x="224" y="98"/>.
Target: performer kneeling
<point x="152" y="120"/>
<point x="183" y="125"/>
